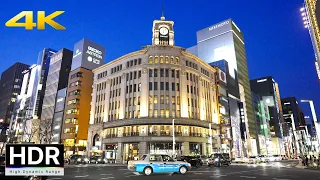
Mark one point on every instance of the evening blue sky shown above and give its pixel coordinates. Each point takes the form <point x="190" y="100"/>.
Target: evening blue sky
<point x="276" y="42"/>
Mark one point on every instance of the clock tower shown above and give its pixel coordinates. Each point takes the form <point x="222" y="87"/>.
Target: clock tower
<point x="162" y="32"/>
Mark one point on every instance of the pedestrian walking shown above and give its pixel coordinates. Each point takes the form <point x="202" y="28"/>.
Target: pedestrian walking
<point x="306" y="160"/>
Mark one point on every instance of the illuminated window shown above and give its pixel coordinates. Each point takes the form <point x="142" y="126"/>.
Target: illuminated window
<point x="172" y="60"/>
<point x="138" y="113"/>
<point x="161" y="59"/>
<point x="178" y="100"/>
<point x="178" y="113"/>
<point x="73" y="101"/>
<point x="150" y="60"/>
<point x="150" y="99"/>
<point x="155" y="100"/>
<point x="177" y="60"/>
<point x="155" y="113"/>
<point x="173" y="114"/>
<point x="167" y="99"/>
<point x="139" y="100"/>
<point x="167" y="113"/>
<point x="73" y="111"/>
<point x="156" y="59"/>
<point x="162" y="113"/>
<point x="173" y="100"/>
<point x="150" y="112"/>
<point x="13" y="99"/>
<point x="161" y="99"/>
<point x="167" y="59"/>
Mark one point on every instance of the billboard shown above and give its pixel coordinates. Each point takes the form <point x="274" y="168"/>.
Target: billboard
<point x="87" y="54"/>
<point x="214" y="30"/>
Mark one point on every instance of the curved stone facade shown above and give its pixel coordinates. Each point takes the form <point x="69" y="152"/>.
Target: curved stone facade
<point x="136" y="97"/>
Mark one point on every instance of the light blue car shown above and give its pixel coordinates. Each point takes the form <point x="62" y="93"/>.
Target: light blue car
<point x="154" y="163"/>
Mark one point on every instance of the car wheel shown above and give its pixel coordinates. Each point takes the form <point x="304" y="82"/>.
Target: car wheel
<point x="147" y="171"/>
<point x="183" y="170"/>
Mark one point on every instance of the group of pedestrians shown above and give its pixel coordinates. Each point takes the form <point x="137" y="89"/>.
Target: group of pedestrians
<point x="311" y="161"/>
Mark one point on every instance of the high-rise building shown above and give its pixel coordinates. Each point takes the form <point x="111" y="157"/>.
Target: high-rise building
<point x="29" y="101"/>
<point x="137" y="98"/>
<point x="290" y="106"/>
<point x="225" y="40"/>
<point x="87" y="56"/>
<point x="268" y="90"/>
<point x="311" y="17"/>
<point x="57" y="79"/>
<point x="229" y="98"/>
<point x="11" y="82"/>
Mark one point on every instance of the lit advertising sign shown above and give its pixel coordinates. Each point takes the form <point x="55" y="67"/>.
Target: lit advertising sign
<point x="87" y="54"/>
<point x="318" y="69"/>
<point x="214" y="30"/>
<point x="222" y="76"/>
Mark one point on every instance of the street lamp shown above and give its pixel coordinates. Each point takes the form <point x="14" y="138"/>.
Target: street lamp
<point x="173" y="139"/>
<point x="314" y="117"/>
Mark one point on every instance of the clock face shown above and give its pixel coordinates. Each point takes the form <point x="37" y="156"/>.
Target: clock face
<point x="164" y="31"/>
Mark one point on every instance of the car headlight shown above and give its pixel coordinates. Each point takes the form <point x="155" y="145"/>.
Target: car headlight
<point x="189" y="164"/>
<point x="216" y="159"/>
<point x="79" y="159"/>
<point x="86" y="159"/>
<point x="99" y="159"/>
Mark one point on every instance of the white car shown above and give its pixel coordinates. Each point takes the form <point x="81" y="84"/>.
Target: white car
<point x="252" y="160"/>
<point x="263" y="158"/>
<point x="239" y="160"/>
<point x="155" y="163"/>
<point x="274" y="158"/>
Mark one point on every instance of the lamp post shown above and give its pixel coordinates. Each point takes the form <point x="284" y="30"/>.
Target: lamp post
<point x="314" y="117"/>
<point x="173" y="139"/>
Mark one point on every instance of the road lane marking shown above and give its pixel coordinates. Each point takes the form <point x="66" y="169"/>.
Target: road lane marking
<point x="197" y="173"/>
<point x="249" y="177"/>
<point x="108" y="178"/>
<point x="215" y="176"/>
<point x="105" y="174"/>
<point x="81" y="176"/>
<point x="130" y="175"/>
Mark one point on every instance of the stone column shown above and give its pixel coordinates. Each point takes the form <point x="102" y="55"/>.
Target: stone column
<point x="119" y="157"/>
<point x="204" y="148"/>
<point x="185" y="150"/>
<point x="106" y="103"/>
<point x="122" y="97"/>
<point x="143" y="148"/>
<point x="93" y="101"/>
<point x="184" y="95"/>
<point x="144" y="99"/>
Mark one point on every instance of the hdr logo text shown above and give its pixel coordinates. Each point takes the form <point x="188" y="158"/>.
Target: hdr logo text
<point x="42" y="20"/>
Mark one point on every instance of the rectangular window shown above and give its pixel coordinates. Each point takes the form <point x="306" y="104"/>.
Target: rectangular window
<point x="178" y="113"/>
<point x="172" y="60"/>
<point x="130" y="102"/>
<point x="188" y="101"/>
<point x="162" y="99"/>
<point x="155" y="72"/>
<point x="135" y="62"/>
<point x="130" y="88"/>
<point x="167" y="113"/>
<point x="173" y="100"/>
<point x="135" y="75"/>
<point x="161" y="72"/>
<point x="139" y="74"/>
<point x="155" y="100"/>
<point x="167" y="99"/>
<point x="150" y="112"/>
<point x="161" y="85"/>
<point x="173" y="114"/>
<point x="178" y="87"/>
<point x="167" y="59"/>
<point x="187" y="63"/>
<point x="155" y="113"/>
<point x="139" y="100"/>
<point x="155" y="86"/>
<point x="187" y="75"/>
<point x="167" y="86"/>
<point x="150" y="86"/>
<point x="173" y="87"/>
<point x="139" y="63"/>
<point x="134" y="88"/>
<point x="130" y="75"/>
<point x="150" y="72"/>
<point x="190" y="77"/>
<point x="138" y="112"/>
<point x="127" y="78"/>
<point x="172" y="73"/>
<point x="191" y="89"/>
<point x="162" y="113"/>
<point x="150" y="99"/>
<point x="187" y="88"/>
<point x="167" y="72"/>
<point x="139" y="87"/>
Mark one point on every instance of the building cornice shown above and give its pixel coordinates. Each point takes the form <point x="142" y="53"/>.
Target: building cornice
<point x="120" y="59"/>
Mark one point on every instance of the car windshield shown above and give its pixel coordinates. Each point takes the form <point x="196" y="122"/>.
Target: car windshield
<point x="261" y="155"/>
<point x="141" y="158"/>
<point x="252" y="157"/>
<point x="275" y="155"/>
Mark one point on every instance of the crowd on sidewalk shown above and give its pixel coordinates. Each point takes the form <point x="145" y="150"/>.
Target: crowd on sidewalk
<point x="311" y="161"/>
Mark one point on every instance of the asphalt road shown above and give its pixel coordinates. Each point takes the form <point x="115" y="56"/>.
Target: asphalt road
<point x="271" y="171"/>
